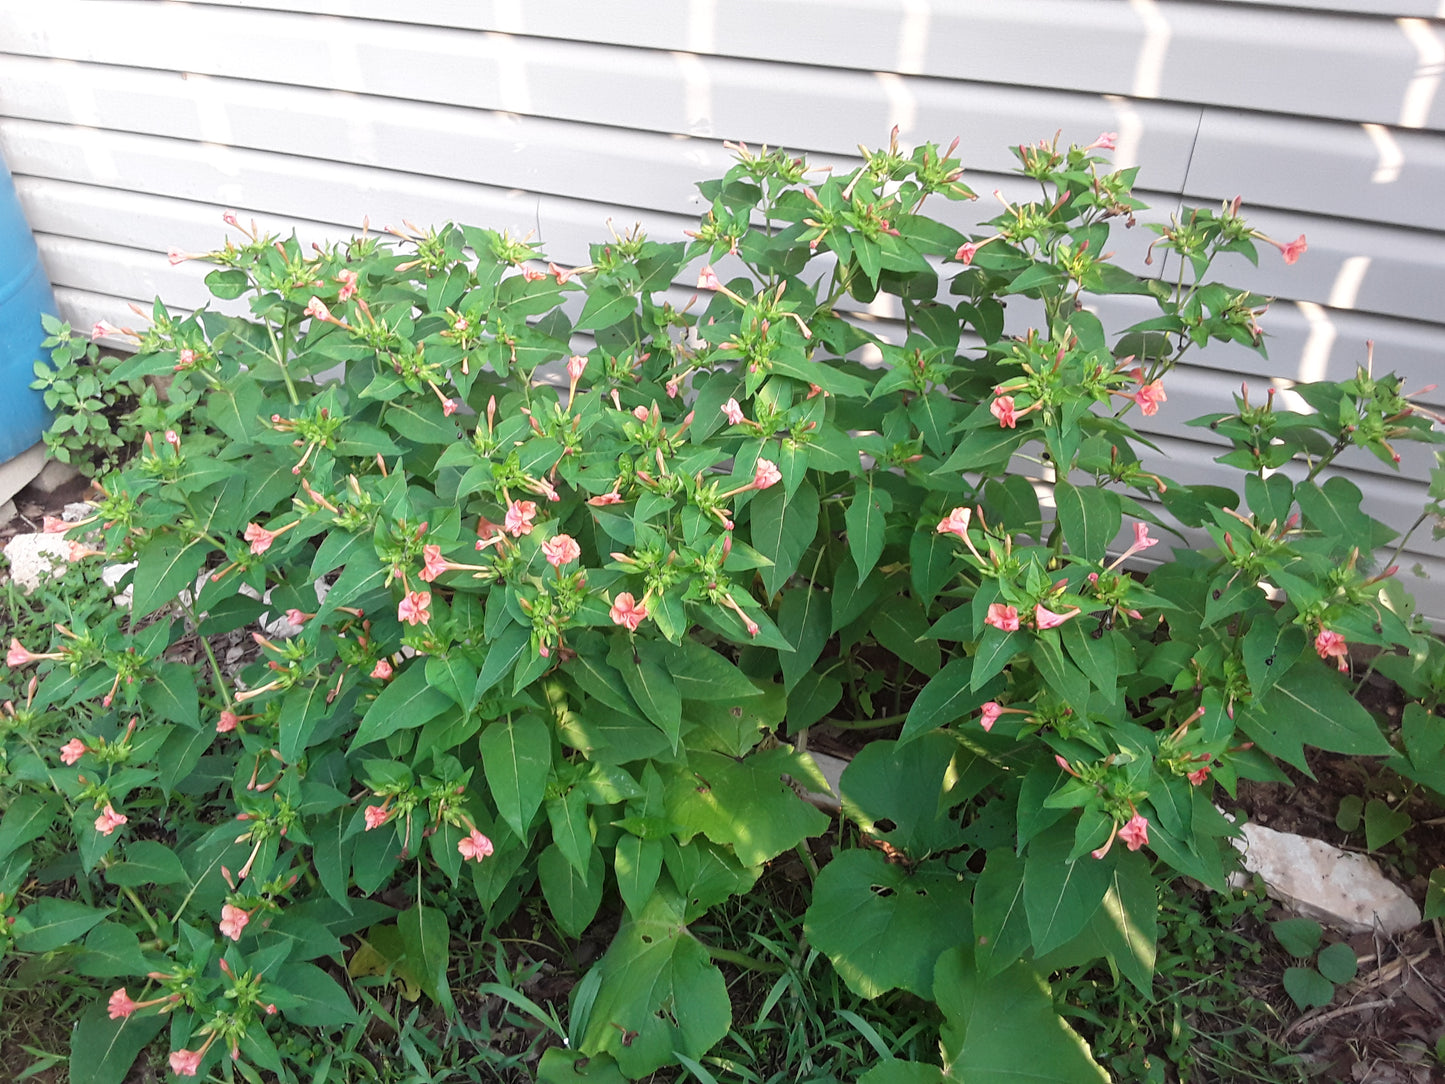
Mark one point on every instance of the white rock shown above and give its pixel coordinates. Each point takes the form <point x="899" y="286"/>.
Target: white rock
<point x="7" y="512"/>
<point x="37" y="557"/>
<point x="1337" y="888"/>
<point x="111" y="575"/>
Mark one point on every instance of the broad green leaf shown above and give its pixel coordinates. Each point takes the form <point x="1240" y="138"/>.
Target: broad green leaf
<point x="517" y="758"/>
<point x="659" y="993"/>
<point x="502" y="655"/>
<point x="454" y="676"/>
<point x="1307" y="988"/>
<point x="889" y="782"/>
<point x="303" y="709"/>
<point x="1004" y="1028"/>
<point x="605" y="306"/>
<point x="167" y="563"/>
<point x="645" y="674"/>
<point x="572" y="896"/>
<point x="407" y="703"/>
<point x="111" y="951"/>
<point x="904" y="1072"/>
<point x="425" y="936"/>
<point x="308" y="996"/>
<point x="1334" y="511"/>
<point x="932" y="565"/>
<point x="744" y="803"/>
<point x="783" y="526"/>
<point x="1435" y="894"/>
<point x="866" y="519"/>
<point x="1384" y="825"/>
<point x="637" y="863"/>
<point x="883" y="925"/>
<point x="700" y="673"/>
<point x="172" y="695"/>
<point x="804" y="617"/>
<point x="1060" y="896"/>
<point x="1090" y="518"/>
<point x="903" y="629"/>
<point x="27" y="817"/>
<point x="147" y="862"/>
<point x="1338" y="963"/>
<point x="51" y="922"/>
<point x="1124" y="930"/>
<point x="999" y="922"/>
<point x="571" y="830"/>
<point x="1310" y="705"/>
<point x="103" y="1050"/>
<point x="949" y="695"/>
<point x="560" y="1066"/>
<point x="995" y="650"/>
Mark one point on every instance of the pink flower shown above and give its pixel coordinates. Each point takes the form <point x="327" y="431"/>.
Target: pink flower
<point x="966" y="252"/>
<point x="1142" y="541"/>
<point x="707" y="279"/>
<point x="528" y="275"/>
<point x="72" y="751"/>
<point x="1198" y="776"/>
<point x="185" y="359"/>
<point x="626" y="612"/>
<point x="317" y="309"/>
<point x="576" y="366"/>
<point x="17" y="656"/>
<point x="1294" y="250"/>
<point x="1107" y="141"/>
<point x="449" y="407"/>
<point x="475" y="846"/>
<point x="1331" y="645"/>
<point x="1002" y="617"/>
<point x="297" y="617"/>
<point x="1135" y="834"/>
<point x="733" y="413"/>
<point x="382" y="670"/>
<point x="228" y="722"/>
<point x="185" y="1062"/>
<point x="120" y="1005"/>
<point x="991" y="711"/>
<point x="1047" y="619"/>
<point x="560" y="550"/>
<point x="606" y="498"/>
<point x="109" y="820"/>
<point x="956" y="523"/>
<point x="376" y="816"/>
<point x="101" y="328"/>
<point x="1002" y="408"/>
<point x="176" y="256"/>
<point x="347" y="278"/>
<point x="435" y="564"/>
<point x="259" y="537"/>
<point x="229" y="218"/>
<point x="413" y="608"/>
<point x="673" y="387"/>
<point x="766" y="474"/>
<point x="641" y="413"/>
<point x="233" y="922"/>
<point x="520" y="515"/>
<point x="1149" y="396"/>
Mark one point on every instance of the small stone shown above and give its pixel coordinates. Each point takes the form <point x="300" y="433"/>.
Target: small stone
<point x="54" y="475"/>
<point x="77" y="511"/>
<point x="35" y="558"/>
<point x="1340" y="889"/>
<point x="7" y="512"/>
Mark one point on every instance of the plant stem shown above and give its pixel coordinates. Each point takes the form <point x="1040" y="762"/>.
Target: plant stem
<point x="140" y="907"/>
<point x="865" y="724"/>
<point x="742" y="959"/>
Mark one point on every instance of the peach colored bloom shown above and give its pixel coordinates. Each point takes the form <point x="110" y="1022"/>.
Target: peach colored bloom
<point x="673" y="387"/>
<point x="707" y="279"/>
<point x="449" y="407"/>
<point x="376" y="816"/>
<point x="109" y="820"/>
<point x="1047" y="619"/>
<point x="1331" y="645"/>
<point x="347" y="278"/>
<point x="413" y="609"/>
<point x="120" y="1005"/>
<point x="991" y="711"/>
<point x="1135" y="834"/>
<point x="560" y="550"/>
<point x="1107" y="141"/>
<point x="228" y="722"/>
<point x="1149" y="396"/>
<point x="72" y="751"/>
<point x="101" y="328"/>
<point x="520" y="515"/>
<point x="606" y="498"/>
<point x="641" y="413"/>
<point x="733" y="413"/>
<point x="259" y="537"/>
<point x="1002" y="408"/>
<point x="1294" y="250"/>
<point x="956" y="523"/>
<point x="576" y="366"/>
<point x="185" y="1062"/>
<point x="1002" y="617"/>
<point x="185" y="359"/>
<point x="17" y="656"/>
<point x="475" y="846"/>
<point x="1142" y="541"/>
<point x="435" y="563"/>
<point x="1199" y="775"/>
<point x="382" y="670"/>
<point x="528" y="275"/>
<point x="297" y="617"/>
<point x="626" y="612"/>
<point x="233" y="922"/>
<point x="766" y="474"/>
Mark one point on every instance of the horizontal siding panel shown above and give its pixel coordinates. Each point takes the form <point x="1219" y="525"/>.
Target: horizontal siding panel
<point x="1278" y="60"/>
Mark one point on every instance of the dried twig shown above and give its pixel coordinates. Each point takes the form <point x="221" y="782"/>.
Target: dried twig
<point x="1333" y="1014"/>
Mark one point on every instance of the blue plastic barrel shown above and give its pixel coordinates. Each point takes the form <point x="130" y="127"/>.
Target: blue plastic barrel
<point x="24" y="294"/>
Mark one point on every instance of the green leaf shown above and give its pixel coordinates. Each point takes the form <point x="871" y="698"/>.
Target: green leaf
<point x="637" y="863"/>
<point x="560" y="1066"/>
<point x="605" y="306"/>
<point x="933" y="565"/>
<point x="783" y="526"/>
<point x="503" y="653"/>
<point x="1298" y="936"/>
<point x="147" y="862"/>
<point x="425" y="936"/>
<point x="904" y="1072"/>
<point x="407" y="703"/>
<point x="1310" y="705"/>
<point x="54" y="922"/>
<point x="1435" y="894"/>
<point x="866" y="519"/>
<point x="172" y="695"/>
<point x="651" y="685"/>
<point x="1338" y="963"/>
<point x="1090" y="519"/>
<point x="805" y="618"/>
<point x="1307" y="988"/>
<point x="28" y="817"/>
<point x="999" y="922"/>
<point x="947" y="696"/>
<point x="902" y="628"/>
<point x="517" y="758"/>
<point x="572" y="896"/>
<point x="166" y="563"/>
<point x="1384" y="825"/>
<point x="571" y="831"/>
<point x="659" y="993"/>
<point x="904" y="784"/>
<point x="302" y="710"/>
<point x="1004" y="1029"/>
<point x="700" y="673"/>
<point x="744" y="803"/>
<point x="103" y="1050"/>
<point x="882" y="925"/>
<point x="111" y="951"/>
<point x="1124" y="929"/>
<point x="308" y="996"/>
<point x="1060" y="896"/>
<point x="1334" y="511"/>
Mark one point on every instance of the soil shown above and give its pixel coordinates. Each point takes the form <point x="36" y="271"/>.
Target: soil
<point x="1381" y="1028"/>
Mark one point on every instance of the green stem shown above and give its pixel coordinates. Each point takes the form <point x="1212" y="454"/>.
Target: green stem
<point x="140" y="907"/>
<point x="864" y="724"/>
<point x="742" y="959"/>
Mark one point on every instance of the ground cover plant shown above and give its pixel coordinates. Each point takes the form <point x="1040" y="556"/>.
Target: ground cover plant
<point x="568" y="569"/>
